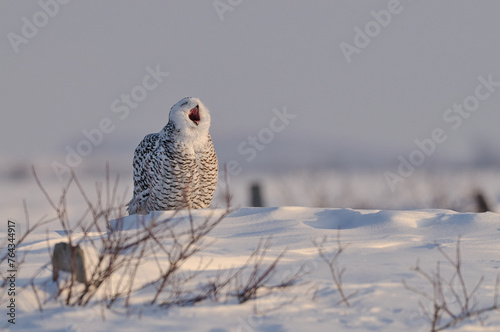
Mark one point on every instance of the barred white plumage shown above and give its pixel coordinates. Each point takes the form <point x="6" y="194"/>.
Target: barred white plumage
<point x="177" y="167"/>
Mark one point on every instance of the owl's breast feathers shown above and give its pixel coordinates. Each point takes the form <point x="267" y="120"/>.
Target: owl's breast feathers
<point x="170" y="173"/>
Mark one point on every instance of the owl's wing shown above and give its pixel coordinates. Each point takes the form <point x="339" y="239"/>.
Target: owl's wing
<point x="209" y="168"/>
<point x="144" y="171"/>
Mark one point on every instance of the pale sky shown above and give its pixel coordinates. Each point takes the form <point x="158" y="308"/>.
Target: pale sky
<point x="70" y="73"/>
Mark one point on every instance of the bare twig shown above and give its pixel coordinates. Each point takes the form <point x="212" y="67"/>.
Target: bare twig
<point x="332" y="261"/>
<point x="443" y="314"/>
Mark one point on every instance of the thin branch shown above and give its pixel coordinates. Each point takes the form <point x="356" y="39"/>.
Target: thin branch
<point x="443" y="315"/>
<point x="332" y="262"/>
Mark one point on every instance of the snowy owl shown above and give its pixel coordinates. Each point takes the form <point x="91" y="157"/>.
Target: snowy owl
<point x="176" y="168"/>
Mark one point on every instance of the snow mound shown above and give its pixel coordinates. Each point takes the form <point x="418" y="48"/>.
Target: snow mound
<point x="382" y="246"/>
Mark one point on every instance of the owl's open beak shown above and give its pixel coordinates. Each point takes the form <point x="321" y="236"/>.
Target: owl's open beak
<point x="194" y="115"/>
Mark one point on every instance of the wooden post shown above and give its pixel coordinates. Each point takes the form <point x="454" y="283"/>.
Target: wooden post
<point x="481" y="204"/>
<point x="256" y="195"/>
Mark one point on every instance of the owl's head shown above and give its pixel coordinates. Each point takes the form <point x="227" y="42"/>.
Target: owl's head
<point x="190" y="117"/>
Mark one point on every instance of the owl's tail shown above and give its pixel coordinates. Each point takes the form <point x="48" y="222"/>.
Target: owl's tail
<point x="136" y="206"/>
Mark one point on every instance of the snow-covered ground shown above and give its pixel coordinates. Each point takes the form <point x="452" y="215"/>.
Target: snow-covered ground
<point x="381" y="247"/>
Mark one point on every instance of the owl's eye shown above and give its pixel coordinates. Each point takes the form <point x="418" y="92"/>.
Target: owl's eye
<point x="194" y="115"/>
